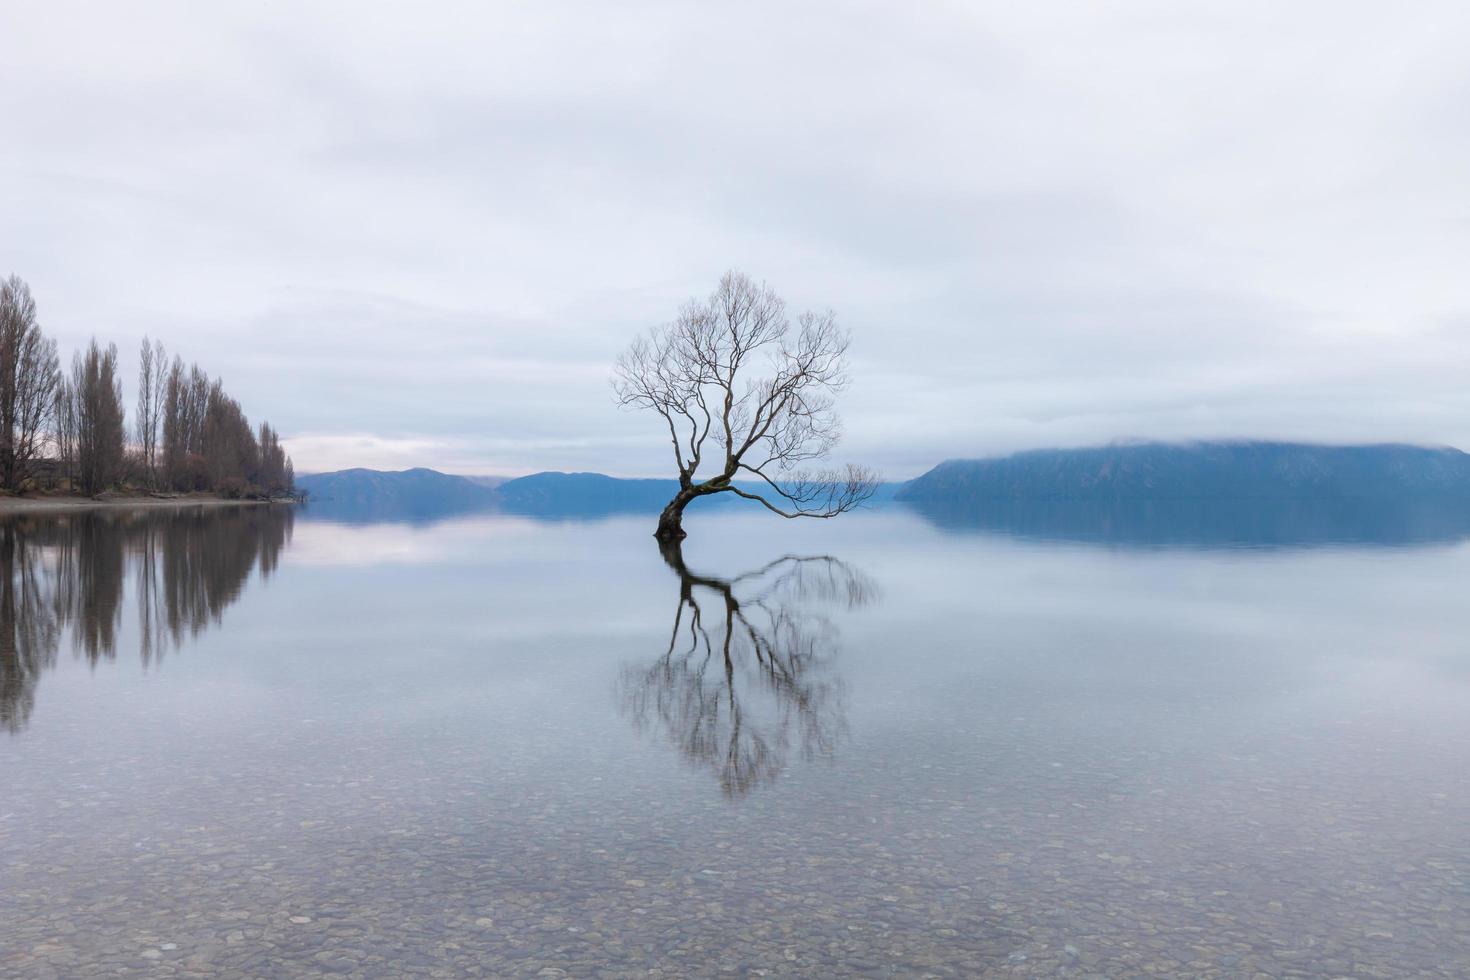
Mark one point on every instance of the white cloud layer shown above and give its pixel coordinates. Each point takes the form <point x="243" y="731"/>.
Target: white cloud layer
<point x="419" y="234"/>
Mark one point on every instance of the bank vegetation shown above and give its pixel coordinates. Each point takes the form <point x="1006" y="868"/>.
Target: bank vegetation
<point x="68" y="431"/>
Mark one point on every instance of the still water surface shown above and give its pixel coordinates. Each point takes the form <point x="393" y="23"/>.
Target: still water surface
<point x="255" y="742"/>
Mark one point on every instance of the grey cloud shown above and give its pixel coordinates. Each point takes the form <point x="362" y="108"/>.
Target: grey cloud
<point x="428" y="231"/>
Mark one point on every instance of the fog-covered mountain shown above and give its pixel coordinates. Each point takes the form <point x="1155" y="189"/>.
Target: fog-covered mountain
<point x="573" y="494"/>
<point x="954" y="491"/>
<point x="424" y="494"/>
<point x="1200" y="471"/>
<point x="590" y="494"/>
<point x="416" y="494"/>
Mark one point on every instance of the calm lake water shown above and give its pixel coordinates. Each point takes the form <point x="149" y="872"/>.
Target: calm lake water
<point x="261" y="743"/>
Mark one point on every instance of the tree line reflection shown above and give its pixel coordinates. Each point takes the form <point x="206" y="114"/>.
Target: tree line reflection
<point x="748" y="672"/>
<point x="67" y="576"/>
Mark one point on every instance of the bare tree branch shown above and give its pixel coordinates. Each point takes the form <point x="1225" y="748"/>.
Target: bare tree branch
<point x="29" y="376"/>
<point x="733" y="368"/>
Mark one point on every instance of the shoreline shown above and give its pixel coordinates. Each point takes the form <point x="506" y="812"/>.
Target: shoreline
<point x="65" y="504"/>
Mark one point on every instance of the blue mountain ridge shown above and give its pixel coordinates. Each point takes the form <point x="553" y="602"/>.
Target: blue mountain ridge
<point x="1197" y="471"/>
<point x="1200" y="471"/>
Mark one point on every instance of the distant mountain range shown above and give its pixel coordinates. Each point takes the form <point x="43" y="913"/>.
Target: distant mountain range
<point x="957" y="492"/>
<point x="424" y="494"/>
<point x="362" y="494"/>
<point x="584" y="493"/>
<point x="1200" y="471"/>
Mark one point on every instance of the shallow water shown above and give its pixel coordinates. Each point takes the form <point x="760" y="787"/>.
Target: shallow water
<point x="255" y="743"/>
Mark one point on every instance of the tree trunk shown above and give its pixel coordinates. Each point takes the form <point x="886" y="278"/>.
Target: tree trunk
<point x="671" y="521"/>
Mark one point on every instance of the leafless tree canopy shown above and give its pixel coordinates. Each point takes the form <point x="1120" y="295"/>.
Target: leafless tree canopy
<point x="152" y="380"/>
<point x="207" y="442"/>
<point x="188" y="434"/>
<point x="747" y="396"/>
<point x="276" y="471"/>
<point x="96" y="416"/>
<point x="29" y="375"/>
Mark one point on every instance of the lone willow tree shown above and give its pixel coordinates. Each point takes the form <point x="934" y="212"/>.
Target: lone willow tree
<point x="746" y="397"/>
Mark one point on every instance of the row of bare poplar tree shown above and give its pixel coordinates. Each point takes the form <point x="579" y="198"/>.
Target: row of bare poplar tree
<point x="57" y="428"/>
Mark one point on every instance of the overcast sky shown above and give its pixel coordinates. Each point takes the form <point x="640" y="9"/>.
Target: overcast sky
<point x="418" y="234"/>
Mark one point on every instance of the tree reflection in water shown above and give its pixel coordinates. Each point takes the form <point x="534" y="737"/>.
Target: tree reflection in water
<point x="748" y="670"/>
<point x="67" y="574"/>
